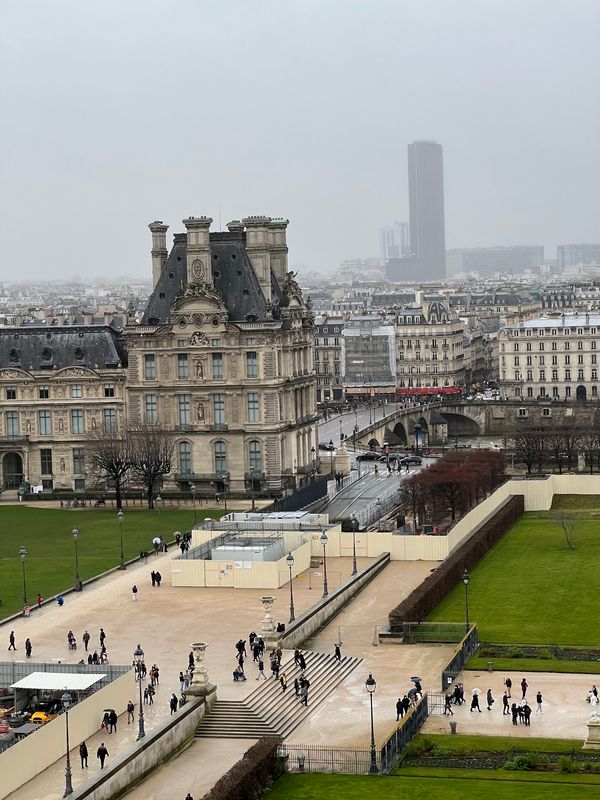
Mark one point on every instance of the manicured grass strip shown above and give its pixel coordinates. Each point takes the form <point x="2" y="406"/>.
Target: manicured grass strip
<point x="498" y="744"/>
<point x="436" y="785"/>
<point x="535" y="665"/>
<point x="523" y="588"/>
<point x="50" y="563"/>
<point x="576" y="502"/>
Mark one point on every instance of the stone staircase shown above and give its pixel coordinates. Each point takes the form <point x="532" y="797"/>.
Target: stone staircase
<point x="267" y="711"/>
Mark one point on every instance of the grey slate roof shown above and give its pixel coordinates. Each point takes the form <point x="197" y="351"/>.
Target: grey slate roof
<point x="38" y="348"/>
<point x="233" y="275"/>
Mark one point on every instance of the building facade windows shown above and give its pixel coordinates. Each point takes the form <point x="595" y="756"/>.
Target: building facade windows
<point x="150" y="408"/>
<point x="185" y="458"/>
<point x="12" y="424"/>
<point x="252" y="365"/>
<point x="149" y="367"/>
<point x="184" y="409"/>
<point x="253" y="401"/>
<point x="78" y="460"/>
<point x="46" y="461"/>
<point x="220" y="457"/>
<point x="77" y="423"/>
<point x="255" y="458"/>
<point x="183" y="371"/>
<point x="76" y="391"/>
<point x="217" y="365"/>
<point x="219" y="409"/>
<point x="45" y="423"/>
<point x="109" y="419"/>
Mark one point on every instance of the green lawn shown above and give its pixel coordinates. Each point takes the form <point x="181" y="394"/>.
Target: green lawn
<point x="496" y="744"/>
<point x="530" y="589"/>
<point x="50" y="563"/>
<point x="432" y="784"/>
<point x="576" y="502"/>
<point x="535" y="665"/>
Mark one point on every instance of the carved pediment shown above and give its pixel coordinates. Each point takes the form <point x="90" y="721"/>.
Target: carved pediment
<point x="15" y="375"/>
<point x="74" y="372"/>
<point x="198" y="297"/>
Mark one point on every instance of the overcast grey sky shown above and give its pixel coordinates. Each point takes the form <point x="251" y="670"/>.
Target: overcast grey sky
<point x="120" y="112"/>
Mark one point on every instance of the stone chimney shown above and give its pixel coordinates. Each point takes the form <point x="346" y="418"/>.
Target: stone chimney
<point x="198" y="257"/>
<point x="258" y="247"/>
<point x="235" y="226"/>
<point x="279" y="248"/>
<point x="88" y="318"/>
<point x="159" y="249"/>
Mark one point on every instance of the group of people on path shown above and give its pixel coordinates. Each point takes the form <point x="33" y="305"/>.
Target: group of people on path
<point x="12" y="644"/>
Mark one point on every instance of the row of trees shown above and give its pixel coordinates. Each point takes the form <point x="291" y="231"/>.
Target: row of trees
<point x="452" y="485"/>
<point x="536" y="445"/>
<point x="141" y="455"/>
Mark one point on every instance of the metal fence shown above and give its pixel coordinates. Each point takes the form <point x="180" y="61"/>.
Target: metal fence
<point x="13" y="671"/>
<point x="313" y="491"/>
<point x="462" y="654"/>
<point x="437" y="632"/>
<point x="355" y="760"/>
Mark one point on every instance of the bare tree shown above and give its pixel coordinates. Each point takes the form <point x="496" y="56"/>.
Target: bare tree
<point x="153" y="448"/>
<point x="110" y="459"/>
<point x="568" y="523"/>
<point x="527" y="447"/>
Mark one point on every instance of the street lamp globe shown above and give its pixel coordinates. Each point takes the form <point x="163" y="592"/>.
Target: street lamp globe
<point x="66" y="700"/>
<point x="138" y="655"/>
<point x="158" y="499"/>
<point x="324" y="538"/>
<point x="120" y="516"/>
<point x="75" y="533"/>
<point x="290" y="559"/>
<point x="370" y="683"/>
<point x="331" y="445"/>
<point x="22" y="553"/>
<point x="466" y="578"/>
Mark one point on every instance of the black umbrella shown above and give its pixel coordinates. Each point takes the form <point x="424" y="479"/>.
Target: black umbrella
<point x="411" y="692"/>
<point x="416" y="679"/>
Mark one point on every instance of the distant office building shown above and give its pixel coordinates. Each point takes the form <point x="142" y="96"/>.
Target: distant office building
<point x="393" y="242"/>
<point x="400" y="270"/>
<point x="368" y="353"/>
<point x="490" y="260"/>
<point x="426" y="203"/>
<point x="569" y="255"/>
<point x="328" y="358"/>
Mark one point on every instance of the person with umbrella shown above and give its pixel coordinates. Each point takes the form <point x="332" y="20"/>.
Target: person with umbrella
<point x="156" y="543"/>
<point x="413" y="696"/>
<point x="475" y="700"/>
<point x="417" y="682"/>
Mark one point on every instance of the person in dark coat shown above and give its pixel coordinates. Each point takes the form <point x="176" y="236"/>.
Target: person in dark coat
<point x="524" y="688"/>
<point x="102" y="637"/>
<point x="337" y="653"/>
<point x="406" y="703"/>
<point x="490" y="700"/>
<point x="399" y="709"/>
<point x="475" y="702"/>
<point x="515" y="713"/>
<point x="101" y="753"/>
<point x="505" y="704"/>
<point x="112" y="721"/>
<point x="86" y="640"/>
<point x="11" y="641"/>
<point x="153" y="578"/>
<point x="83" y="755"/>
<point x="28" y="647"/>
<point x="173" y="703"/>
<point x="158" y="578"/>
<point x="508" y="684"/>
<point x="527" y="713"/>
<point x="448" y="704"/>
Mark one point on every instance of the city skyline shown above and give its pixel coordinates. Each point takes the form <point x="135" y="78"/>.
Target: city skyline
<point x="96" y="147"/>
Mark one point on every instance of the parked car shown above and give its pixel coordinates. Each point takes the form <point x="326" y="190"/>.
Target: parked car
<point x="411" y="460"/>
<point x="370" y="456"/>
<point x="391" y="457"/>
<point x="326" y="446"/>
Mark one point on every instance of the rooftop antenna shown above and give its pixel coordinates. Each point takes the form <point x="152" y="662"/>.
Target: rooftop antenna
<point x="220" y="228"/>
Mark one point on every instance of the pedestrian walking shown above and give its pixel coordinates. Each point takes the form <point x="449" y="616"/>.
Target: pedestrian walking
<point x="406" y="703"/>
<point x="130" y="708"/>
<point x="297" y="658"/>
<point x="475" y="702"/>
<point x="173" y="703"/>
<point x="146" y="696"/>
<point x="337" y="653"/>
<point x="302" y="662"/>
<point x="304" y="686"/>
<point x="490" y="700"/>
<point x="538" y="700"/>
<point x="296" y="687"/>
<point x="505" y="704"/>
<point x="153" y="578"/>
<point x="448" y="703"/>
<point x="86" y="639"/>
<point x="11" y="641"/>
<point x="113" y="721"/>
<point x="508" y="684"/>
<point x="181" y="681"/>
<point x="158" y="578"/>
<point x="83" y="755"/>
<point x="524" y="688"/>
<point x="150" y="694"/>
<point x="515" y="713"/>
<point x="399" y="709"/>
<point x="191" y="659"/>
<point x="102" y="637"/>
<point x="527" y="713"/>
<point x="283" y="682"/>
<point x="134" y="593"/>
<point x="28" y="647"/>
<point x="261" y="669"/>
<point x="39" y="600"/>
<point x="189" y="796"/>
<point x="101" y="753"/>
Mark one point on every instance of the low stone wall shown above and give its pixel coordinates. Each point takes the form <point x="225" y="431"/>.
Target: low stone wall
<point x="146" y="755"/>
<point x="312" y="620"/>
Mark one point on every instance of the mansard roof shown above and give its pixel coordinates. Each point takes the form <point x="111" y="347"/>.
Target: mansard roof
<point x="34" y="348"/>
<point x="233" y="276"/>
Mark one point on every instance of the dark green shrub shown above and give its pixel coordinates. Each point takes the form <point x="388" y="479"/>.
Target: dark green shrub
<point x="515" y="652"/>
<point x="545" y="653"/>
<point x="565" y="765"/>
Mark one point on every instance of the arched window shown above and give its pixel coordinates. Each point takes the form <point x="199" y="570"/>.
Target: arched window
<point x="220" y="453"/>
<point x="255" y="459"/>
<point x="185" y="458"/>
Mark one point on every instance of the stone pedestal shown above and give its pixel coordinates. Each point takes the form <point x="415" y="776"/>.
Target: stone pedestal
<point x="342" y="460"/>
<point x="268" y="629"/>
<point x="200" y="685"/>
<point x="592" y="741"/>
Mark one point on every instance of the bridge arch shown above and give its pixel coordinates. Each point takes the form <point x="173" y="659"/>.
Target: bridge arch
<point x="460" y="424"/>
<point x="400" y="433"/>
<point x="424" y="424"/>
<point x="374" y="444"/>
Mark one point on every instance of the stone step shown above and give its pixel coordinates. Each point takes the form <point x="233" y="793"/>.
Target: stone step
<point x="230" y="719"/>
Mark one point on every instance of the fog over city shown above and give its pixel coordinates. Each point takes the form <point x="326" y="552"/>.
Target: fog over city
<point x="120" y="113"/>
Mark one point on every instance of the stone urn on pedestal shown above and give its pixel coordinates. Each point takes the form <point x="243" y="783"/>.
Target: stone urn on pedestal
<point x="200" y="685"/>
<point x="268" y="628"/>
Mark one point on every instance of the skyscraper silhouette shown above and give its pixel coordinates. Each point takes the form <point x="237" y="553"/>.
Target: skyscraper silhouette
<point x="426" y="206"/>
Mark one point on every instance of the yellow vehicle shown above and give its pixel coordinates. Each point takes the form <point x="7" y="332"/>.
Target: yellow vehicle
<point x="41" y="717"/>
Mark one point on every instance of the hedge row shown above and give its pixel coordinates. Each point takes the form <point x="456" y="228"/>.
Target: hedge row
<point x="432" y="591"/>
<point x="252" y="775"/>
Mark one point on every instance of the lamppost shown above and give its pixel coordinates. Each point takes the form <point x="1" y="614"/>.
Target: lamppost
<point x="75" y="533"/>
<point x="226" y="479"/>
<point x="193" y="491"/>
<point x="66" y="702"/>
<point x="313" y="454"/>
<point x="378" y="506"/>
<point x="466" y="578"/>
<point x="120" y="516"/>
<point x="324" y="543"/>
<point x="290" y="563"/>
<point x="158" y="501"/>
<point x="354" y="523"/>
<point x="23" y="556"/>
<point x="418" y="429"/>
<point x="331" y="447"/>
<point x="138" y="662"/>
<point x="386" y="450"/>
<point x="370" y="686"/>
